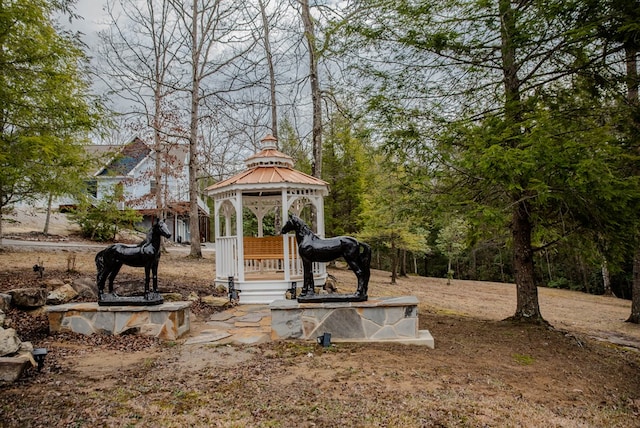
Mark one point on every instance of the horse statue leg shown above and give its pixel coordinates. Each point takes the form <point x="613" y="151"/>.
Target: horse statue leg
<point x="112" y="275"/>
<point x="102" y="274"/>
<point x="364" y="261"/>
<point x="147" y="270"/>
<point x="307" y="285"/>
<point x="154" y="270"/>
<point x="100" y="281"/>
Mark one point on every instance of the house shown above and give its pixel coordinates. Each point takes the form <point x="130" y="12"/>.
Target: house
<point x="132" y="168"/>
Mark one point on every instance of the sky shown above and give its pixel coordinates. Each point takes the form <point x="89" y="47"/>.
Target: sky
<point x="91" y="11"/>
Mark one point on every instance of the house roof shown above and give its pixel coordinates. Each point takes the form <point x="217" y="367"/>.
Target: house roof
<point x="127" y="159"/>
<point x="268" y="168"/>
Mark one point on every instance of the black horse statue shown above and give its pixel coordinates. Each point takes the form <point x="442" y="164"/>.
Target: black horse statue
<point x="146" y="254"/>
<point x="315" y="249"/>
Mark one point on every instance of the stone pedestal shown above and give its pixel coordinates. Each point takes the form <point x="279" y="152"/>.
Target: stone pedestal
<point x="167" y="321"/>
<point x="384" y="319"/>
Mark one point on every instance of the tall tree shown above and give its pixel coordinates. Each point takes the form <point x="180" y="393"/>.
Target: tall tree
<point x="268" y="53"/>
<point x="496" y="77"/>
<point x="387" y="218"/>
<point x="452" y="241"/>
<point x="213" y="40"/>
<point x="46" y="109"/>
<point x="620" y="27"/>
<point x="345" y="161"/>
<point x="316" y="100"/>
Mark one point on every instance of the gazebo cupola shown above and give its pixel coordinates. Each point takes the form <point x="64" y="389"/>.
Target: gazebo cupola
<point x="264" y="267"/>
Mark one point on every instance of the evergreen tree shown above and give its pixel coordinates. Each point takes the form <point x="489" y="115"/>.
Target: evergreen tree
<point x="45" y="106"/>
<point x="345" y="165"/>
<point x="486" y="91"/>
<point x="387" y="218"/>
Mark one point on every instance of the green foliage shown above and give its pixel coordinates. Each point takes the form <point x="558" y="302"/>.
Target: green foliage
<point x="452" y="238"/>
<point x="291" y="144"/>
<point x="523" y="360"/>
<point x="102" y="221"/>
<point x="250" y="223"/>
<point x="502" y="109"/>
<point x="45" y="107"/>
<point x="388" y="218"/>
<point x="344" y="167"/>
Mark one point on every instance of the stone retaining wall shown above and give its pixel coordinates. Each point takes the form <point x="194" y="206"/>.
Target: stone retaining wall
<point x="385" y="319"/>
<point x="167" y="321"/>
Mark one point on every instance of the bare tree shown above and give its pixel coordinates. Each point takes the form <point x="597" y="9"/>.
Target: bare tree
<point x="272" y="74"/>
<point x="139" y="61"/>
<point x="214" y="43"/>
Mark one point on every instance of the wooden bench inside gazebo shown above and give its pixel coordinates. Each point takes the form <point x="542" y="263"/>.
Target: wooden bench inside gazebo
<point x="265" y="254"/>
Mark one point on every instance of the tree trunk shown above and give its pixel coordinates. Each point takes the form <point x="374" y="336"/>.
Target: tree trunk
<point x="527" y="293"/>
<point x="635" y="290"/>
<point x="272" y="74"/>
<point x="631" y="54"/>
<point x="157" y="143"/>
<point x="394" y="264"/>
<point x="316" y="132"/>
<point x="48" y="218"/>
<point x="606" y="279"/>
<point x="403" y="263"/>
<point x="527" y="308"/>
<point x="194" y="219"/>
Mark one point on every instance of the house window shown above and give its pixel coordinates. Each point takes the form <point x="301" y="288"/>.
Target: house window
<point x="92" y="188"/>
<point x="153" y="186"/>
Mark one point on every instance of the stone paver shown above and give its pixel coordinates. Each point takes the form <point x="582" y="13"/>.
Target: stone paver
<point x="244" y="325"/>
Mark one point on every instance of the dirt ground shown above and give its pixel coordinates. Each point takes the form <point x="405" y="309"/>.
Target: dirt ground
<point x="483" y="372"/>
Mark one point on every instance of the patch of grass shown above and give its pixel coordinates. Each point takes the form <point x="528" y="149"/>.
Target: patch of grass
<point x="149" y="363"/>
<point x="294" y="349"/>
<point x="523" y="360"/>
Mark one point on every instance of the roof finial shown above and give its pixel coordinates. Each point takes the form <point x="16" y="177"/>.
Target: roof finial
<point x="269" y="142"/>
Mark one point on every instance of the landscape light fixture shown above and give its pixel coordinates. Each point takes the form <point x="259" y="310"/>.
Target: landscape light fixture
<point x="293" y="290"/>
<point x="38" y="355"/>
<point x="324" y="340"/>
<point x="233" y="293"/>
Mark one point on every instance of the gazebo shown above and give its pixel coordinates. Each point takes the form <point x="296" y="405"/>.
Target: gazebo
<point x="263" y="268"/>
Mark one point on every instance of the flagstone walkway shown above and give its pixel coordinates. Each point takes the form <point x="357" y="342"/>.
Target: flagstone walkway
<point x="242" y="324"/>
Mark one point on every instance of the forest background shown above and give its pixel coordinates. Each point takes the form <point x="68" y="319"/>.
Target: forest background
<point x="488" y="140"/>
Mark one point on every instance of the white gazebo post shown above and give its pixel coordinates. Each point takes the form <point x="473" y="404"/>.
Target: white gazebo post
<point x="264" y="266"/>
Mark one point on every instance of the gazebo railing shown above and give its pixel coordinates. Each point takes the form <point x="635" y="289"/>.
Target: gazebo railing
<point x="226" y="256"/>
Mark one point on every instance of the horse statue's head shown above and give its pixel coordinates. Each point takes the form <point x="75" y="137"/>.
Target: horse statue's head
<point x="293" y="224"/>
<point x="161" y="227"/>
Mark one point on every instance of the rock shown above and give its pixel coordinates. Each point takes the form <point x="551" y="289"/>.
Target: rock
<point x="5" y="301"/>
<point x="9" y="341"/>
<point x="53" y="283"/>
<point x="2" y="317"/>
<point x="86" y="287"/>
<point x="26" y="347"/>
<point x="11" y="368"/>
<point x="216" y="302"/>
<point x="172" y="297"/>
<point x="331" y="284"/>
<point x="29" y="297"/>
<point x="129" y="288"/>
<point x="61" y="295"/>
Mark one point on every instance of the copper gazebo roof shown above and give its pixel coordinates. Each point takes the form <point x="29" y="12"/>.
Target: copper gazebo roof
<point x="268" y="168"/>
